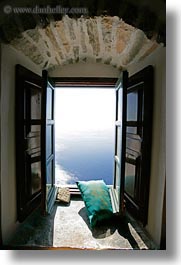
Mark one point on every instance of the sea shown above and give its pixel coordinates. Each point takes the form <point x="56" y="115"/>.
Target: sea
<point x="85" y="156"/>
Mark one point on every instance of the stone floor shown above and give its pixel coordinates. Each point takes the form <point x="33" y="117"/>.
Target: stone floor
<point x="68" y="226"/>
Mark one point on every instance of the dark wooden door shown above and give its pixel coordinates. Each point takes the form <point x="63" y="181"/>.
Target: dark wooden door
<point x="48" y="145"/>
<point x="139" y="97"/>
<point x="28" y="134"/>
<point x="133" y="134"/>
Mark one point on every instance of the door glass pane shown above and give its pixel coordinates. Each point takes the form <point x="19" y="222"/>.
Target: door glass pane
<point x="35" y="177"/>
<point x="131" y="130"/>
<point x="133" y="145"/>
<point x="32" y="102"/>
<point x="33" y="141"/>
<point x="49" y="177"/>
<point x="117" y="180"/>
<point x="49" y="103"/>
<point x="119" y="141"/>
<point x="120" y="98"/>
<point x="130" y="171"/>
<point x="35" y="104"/>
<point x="48" y="141"/>
<point x="132" y="106"/>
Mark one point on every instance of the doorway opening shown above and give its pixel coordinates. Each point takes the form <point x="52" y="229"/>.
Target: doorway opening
<point x="132" y="134"/>
<point x="84" y="134"/>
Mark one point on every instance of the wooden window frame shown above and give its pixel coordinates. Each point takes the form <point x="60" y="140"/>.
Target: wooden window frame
<point x="97" y="82"/>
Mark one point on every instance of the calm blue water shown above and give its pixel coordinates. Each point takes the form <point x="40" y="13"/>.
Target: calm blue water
<point x="85" y="157"/>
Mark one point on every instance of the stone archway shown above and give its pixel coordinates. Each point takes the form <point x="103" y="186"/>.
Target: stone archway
<point x="105" y="39"/>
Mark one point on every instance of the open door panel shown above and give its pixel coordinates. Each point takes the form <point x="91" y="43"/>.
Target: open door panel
<point x="117" y="193"/>
<point x="139" y="97"/>
<point x="133" y="134"/>
<point x="35" y="156"/>
<point x="28" y="134"/>
<point x="48" y="147"/>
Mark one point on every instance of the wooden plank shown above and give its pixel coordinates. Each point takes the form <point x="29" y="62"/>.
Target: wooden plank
<point x="84" y="82"/>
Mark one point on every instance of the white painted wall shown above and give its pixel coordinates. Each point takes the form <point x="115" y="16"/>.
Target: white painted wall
<point x="9" y="58"/>
<point x="158" y="164"/>
<point x="85" y="70"/>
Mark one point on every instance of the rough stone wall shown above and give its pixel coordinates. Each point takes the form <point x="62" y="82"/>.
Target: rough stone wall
<point x="103" y="39"/>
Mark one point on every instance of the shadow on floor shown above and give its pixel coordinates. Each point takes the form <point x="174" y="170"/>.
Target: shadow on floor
<point x="124" y="230"/>
<point x="37" y="230"/>
<point x="103" y="230"/>
<point x="108" y="227"/>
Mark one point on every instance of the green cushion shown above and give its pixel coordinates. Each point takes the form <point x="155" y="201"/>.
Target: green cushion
<point x="96" y="197"/>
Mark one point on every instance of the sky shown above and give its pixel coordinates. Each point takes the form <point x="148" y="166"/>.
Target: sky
<point x="84" y="110"/>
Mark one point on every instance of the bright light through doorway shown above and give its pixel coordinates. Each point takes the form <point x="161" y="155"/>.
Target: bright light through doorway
<point x="84" y="134"/>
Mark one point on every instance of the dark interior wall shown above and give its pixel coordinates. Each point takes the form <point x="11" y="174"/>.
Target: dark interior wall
<point x="150" y="16"/>
<point x="0" y="153"/>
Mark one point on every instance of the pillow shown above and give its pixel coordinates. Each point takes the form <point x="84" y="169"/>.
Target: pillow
<point x="96" y="197"/>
